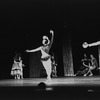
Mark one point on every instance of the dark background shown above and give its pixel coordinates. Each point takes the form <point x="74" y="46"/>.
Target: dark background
<point x="23" y="23"/>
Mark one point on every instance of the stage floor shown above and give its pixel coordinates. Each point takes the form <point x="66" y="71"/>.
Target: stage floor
<point x="63" y="88"/>
<point x="62" y="81"/>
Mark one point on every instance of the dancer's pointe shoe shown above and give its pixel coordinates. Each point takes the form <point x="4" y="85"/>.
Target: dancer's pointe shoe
<point x="91" y="74"/>
<point x="22" y="77"/>
<point x="99" y="68"/>
<point x="48" y="79"/>
<point x="84" y="75"/>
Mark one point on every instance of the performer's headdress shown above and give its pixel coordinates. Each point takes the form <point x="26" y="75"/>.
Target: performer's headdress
<point x="47" y="41"/>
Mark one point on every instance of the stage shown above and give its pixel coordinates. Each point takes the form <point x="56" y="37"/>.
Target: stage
<point x="62" y="81"/>
<point x="58" y="88"/>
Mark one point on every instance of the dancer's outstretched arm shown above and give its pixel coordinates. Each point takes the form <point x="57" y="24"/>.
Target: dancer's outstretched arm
<point x="34" y="50"/>
<point x="85" y="44"/>
<point x="94" y="44"/>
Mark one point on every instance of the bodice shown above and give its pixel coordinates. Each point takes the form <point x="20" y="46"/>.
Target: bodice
<point x="45" y="52"/>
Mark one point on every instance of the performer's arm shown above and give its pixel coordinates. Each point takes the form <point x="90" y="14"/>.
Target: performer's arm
<point x="94" y="44"/>
<point x="23" y="65"/>
<point x="34" y="50"/>
<point x="14" y="61"/>
<point x="52" y="38"/>
<point x="85" y="64"/>
<point x="85" y="44"/>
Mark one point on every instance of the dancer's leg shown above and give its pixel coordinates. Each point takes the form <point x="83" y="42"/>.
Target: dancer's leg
<point x="47" y="65"/>
<point x="15" y="76"/>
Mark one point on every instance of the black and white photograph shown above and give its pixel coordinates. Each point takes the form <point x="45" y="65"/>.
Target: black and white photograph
<point x="49" y="49"/>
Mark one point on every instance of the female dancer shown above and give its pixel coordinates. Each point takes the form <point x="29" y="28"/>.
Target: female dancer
<point x="45" y="58"/>
<point x="17" y="68"/>
<point x="54" y="66"/>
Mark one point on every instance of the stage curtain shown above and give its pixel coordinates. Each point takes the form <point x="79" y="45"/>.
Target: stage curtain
<point x="36" y="68"/>
<point x="67" y="56"/>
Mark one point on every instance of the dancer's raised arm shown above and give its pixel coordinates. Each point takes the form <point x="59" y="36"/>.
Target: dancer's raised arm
<point x="34" y="50"/>
<point x="52" y="38"/>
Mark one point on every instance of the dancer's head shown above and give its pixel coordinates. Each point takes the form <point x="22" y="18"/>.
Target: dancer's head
<point x="17" y="57"/>
<point x="85" y="56"/>
<point x="45" y="40"/>
<point x="91" y="56"/>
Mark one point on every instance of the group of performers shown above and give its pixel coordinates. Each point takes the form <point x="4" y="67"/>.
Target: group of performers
<point x="88" y="65"/>
<point x="46" y="59"/>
